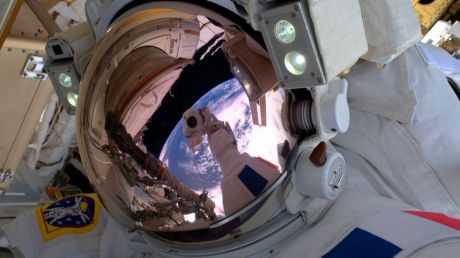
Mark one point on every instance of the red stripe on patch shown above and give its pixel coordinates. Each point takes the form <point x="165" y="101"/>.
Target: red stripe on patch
<point x="438" y="218"/>
<point x="268" y="163"/>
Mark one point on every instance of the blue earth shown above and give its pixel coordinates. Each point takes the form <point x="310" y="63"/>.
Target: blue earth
<point x="228" y="102"/>
<point x="198" y="169"/>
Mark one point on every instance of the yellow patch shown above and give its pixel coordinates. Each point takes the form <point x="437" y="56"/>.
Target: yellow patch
<point x="76" y="214"/>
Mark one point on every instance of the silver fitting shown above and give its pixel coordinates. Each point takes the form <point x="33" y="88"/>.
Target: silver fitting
<point x="6" y="176"/>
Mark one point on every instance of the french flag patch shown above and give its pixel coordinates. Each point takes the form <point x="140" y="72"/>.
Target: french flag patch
<point x="360" y="243"/>
<point x="438" y="218"/>
<point x="390" y="233"/>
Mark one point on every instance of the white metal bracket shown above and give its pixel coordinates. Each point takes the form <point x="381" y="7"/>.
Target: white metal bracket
<point x="33" y="68"/>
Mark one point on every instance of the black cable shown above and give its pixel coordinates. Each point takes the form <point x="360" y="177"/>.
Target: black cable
<point x="455" y="87"/>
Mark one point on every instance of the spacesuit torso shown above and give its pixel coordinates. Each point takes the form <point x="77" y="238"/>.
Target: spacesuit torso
<point x="412" y="115"/>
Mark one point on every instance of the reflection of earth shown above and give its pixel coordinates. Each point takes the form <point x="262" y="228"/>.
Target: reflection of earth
<point x="228" y="102"/>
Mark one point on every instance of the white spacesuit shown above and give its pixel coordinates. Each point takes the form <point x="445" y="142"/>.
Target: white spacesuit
<point x="400" y="151"/>
<point x="416" y="124"/>
<point x="406" y="108"/>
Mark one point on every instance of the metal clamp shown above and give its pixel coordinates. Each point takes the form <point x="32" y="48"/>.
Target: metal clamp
<point x="33" y="69"/>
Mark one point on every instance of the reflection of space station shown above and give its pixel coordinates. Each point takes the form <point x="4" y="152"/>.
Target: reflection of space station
<point x="244" y="177"/>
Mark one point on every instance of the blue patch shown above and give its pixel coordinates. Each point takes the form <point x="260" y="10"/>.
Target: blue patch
<point x="71" y="212"/>
<point x="254" y="182"/>
<point x="360" y="243"/>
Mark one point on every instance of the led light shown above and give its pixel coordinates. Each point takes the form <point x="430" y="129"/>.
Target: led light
<point x="295" y="63"/>
<point x="289" y="33"/>
<point x="65" y="80"/>
<point x="247" y="86"/>
<point x="72" y="98"/>
<point x="285" y="32"/>
<point x="236" y="71"/>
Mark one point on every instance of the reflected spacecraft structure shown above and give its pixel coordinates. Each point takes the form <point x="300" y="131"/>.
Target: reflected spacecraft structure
<point x="244" y="177"/>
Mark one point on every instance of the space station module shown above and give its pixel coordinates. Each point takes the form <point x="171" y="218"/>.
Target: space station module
<point x="244" y="177"/>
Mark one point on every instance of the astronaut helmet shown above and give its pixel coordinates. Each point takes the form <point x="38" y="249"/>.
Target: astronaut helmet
<point x="153" y="61"/>
<point x="149" y="67"/>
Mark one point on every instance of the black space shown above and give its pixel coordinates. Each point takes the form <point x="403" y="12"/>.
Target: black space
<point x="78" y="179"/>
<point x="426" y="1"/>
<point x="195" y="81"/>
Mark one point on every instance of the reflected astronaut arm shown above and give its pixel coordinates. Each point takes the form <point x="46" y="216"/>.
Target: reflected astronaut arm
<point x="197" y="124"/>
<point x="244" y="177"/>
